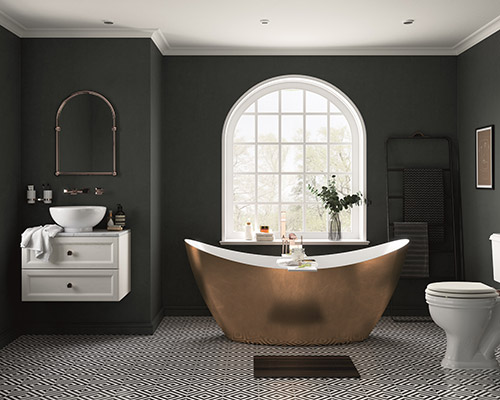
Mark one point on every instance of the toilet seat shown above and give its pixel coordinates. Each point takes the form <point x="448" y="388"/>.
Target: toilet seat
<point x="461" y="290"/>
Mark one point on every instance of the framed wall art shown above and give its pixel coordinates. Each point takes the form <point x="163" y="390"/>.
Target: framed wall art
<point x="484" y="158"/>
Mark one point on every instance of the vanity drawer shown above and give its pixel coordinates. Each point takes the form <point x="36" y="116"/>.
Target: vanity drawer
<point x="70" y="285"/>
<point x="83" y="252"/>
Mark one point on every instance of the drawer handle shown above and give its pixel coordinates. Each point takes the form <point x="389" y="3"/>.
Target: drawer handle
<point x="69" y="253"/>
<point x="69" y="285"/>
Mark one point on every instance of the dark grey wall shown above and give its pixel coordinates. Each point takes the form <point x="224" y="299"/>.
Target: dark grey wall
<point x="170" y="116"/>
<point x="123" y="71"/>
<point x="156" y="180"/>
<point x="396" y="96"/>
<point x="10" y="157"/>
<point x="478" y="105"/>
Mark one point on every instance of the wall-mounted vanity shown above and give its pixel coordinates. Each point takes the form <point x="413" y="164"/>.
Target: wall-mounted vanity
<point x="83" y="266"/>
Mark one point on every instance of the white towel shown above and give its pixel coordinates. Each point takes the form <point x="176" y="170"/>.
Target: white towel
<point x="38" y="239"/>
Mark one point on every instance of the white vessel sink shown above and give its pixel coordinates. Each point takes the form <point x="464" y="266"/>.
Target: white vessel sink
<point x="77" y="218"/>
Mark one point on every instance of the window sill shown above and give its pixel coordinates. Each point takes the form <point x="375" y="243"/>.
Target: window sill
<point x="309" y="242"/>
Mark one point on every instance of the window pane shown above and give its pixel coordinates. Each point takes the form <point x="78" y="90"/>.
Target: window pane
<point x="268" y="214"/>
<point x="344" y="184"/>
<point x="243" y="213"/>
<point x="317" y="181"/>
<point x="243" y="188"/>
<point x="269" y="103"/>
<point x="245" y="129"/>
<point x="316" y="155"/>
<point x="292" y="188"/>
<point x="293" y="217"/>
<point x="339" y="129"/>
<point x="267" y="130"/>
<point x="250" y="109"/>
<point x="268" y="188"/>
<point x="292" y="128"/>
<point x="292" y="100"/>
<point x="334" y="109"/>
<point x="316" y="218"/>
<point x="315" y="102"/>
<point x="316" y="128"/>
<point x="340" y="158"/>
<point x="345" y="220"/>
<point x="243" y="158"/>
<point x="268" y="157"/>
<point x="292" y="158"/>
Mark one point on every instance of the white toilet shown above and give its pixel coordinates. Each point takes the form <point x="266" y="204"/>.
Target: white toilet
<point x="469" y="313"/>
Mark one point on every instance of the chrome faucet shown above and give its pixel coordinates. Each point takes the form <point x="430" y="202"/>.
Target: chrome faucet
<point x="74" y="192"/>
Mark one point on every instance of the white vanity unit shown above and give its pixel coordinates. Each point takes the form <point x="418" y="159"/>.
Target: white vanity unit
<point x="83" y="266"/>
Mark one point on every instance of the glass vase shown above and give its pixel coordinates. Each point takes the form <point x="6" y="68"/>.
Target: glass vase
<point x="334" y="227"/>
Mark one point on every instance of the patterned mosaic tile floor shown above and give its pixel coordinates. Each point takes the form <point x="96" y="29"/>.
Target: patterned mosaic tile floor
<point x="189" y="358"/>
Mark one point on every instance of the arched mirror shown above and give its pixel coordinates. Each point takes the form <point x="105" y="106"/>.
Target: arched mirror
<point x="86" y="135"/>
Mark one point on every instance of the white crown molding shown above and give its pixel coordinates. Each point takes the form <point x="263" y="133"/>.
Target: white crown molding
<point x="11" y="24"/>
<point x="482" y="33"/>
<point x="88" y="33"/>
<point x="382" y="51"/>
<point x="160" y="41"/>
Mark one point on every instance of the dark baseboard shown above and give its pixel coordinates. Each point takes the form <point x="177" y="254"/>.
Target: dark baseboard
<point x="405" y="311"/>
<point x="157" y="319"/>
<point x="187" y="311"/>
<point x="134" y="328"/>
<point x="7" y="336"/>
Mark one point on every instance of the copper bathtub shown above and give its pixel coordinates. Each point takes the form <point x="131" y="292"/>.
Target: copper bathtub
<point x="254" y="301"/>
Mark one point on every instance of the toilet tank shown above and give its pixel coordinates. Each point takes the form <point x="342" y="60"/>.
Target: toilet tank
<point x="495" y="251"/>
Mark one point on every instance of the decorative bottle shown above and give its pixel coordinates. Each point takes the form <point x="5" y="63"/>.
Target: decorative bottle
<point x="110" y="219"/>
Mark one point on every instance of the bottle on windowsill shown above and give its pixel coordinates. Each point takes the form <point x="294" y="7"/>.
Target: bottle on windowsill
<point x="248" y="231"/>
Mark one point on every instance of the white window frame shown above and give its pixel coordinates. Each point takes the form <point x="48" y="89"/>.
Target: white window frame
<point x="358" y="134"/>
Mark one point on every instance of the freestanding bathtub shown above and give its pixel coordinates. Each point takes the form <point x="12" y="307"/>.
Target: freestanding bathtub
<point x="254" y="301"/>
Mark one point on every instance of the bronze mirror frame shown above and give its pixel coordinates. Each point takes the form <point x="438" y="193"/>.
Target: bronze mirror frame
<point x="58" y="131"/>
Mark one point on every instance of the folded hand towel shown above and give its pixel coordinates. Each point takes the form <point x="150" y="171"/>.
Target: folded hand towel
<point x="416" y="264"/>
<point x="38" y="239"/>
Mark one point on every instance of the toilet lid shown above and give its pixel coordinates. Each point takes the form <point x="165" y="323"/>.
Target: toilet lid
<point x="461" y="290"/>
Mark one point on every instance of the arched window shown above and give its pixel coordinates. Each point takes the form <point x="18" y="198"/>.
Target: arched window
<point x="283" y="134"/>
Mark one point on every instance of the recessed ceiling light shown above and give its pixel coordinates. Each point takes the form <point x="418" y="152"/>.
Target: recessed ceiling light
<point x="264" y="21"/>
<point x="108" y="22"/>
<point x="408" y="21"/>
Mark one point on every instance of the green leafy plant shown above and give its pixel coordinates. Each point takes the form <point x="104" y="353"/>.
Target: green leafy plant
<point x="331" y="198"/>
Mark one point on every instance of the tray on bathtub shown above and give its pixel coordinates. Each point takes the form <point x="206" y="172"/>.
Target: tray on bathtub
<point x="291" y="265"/>
<point x="304" y="367"/>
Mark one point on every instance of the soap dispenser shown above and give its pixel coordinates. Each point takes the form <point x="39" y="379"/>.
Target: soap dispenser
<point x="47" y="194"/>
<point x="120" y="216"/>
<point x="31" y="194"/>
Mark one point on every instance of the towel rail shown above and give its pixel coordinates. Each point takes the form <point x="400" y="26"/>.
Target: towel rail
<point x="424" y="151"/>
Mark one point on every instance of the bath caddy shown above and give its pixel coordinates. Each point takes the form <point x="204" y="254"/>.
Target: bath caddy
<point x="254" y="301"/>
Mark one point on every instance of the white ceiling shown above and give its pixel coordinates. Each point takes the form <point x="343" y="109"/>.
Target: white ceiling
<point x="296" y="26"/>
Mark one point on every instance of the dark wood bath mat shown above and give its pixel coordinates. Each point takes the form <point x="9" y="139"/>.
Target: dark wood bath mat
<point x="304" y="367"/>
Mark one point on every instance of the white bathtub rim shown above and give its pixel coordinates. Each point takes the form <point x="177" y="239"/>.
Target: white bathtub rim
<point x="325" y="261"/>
